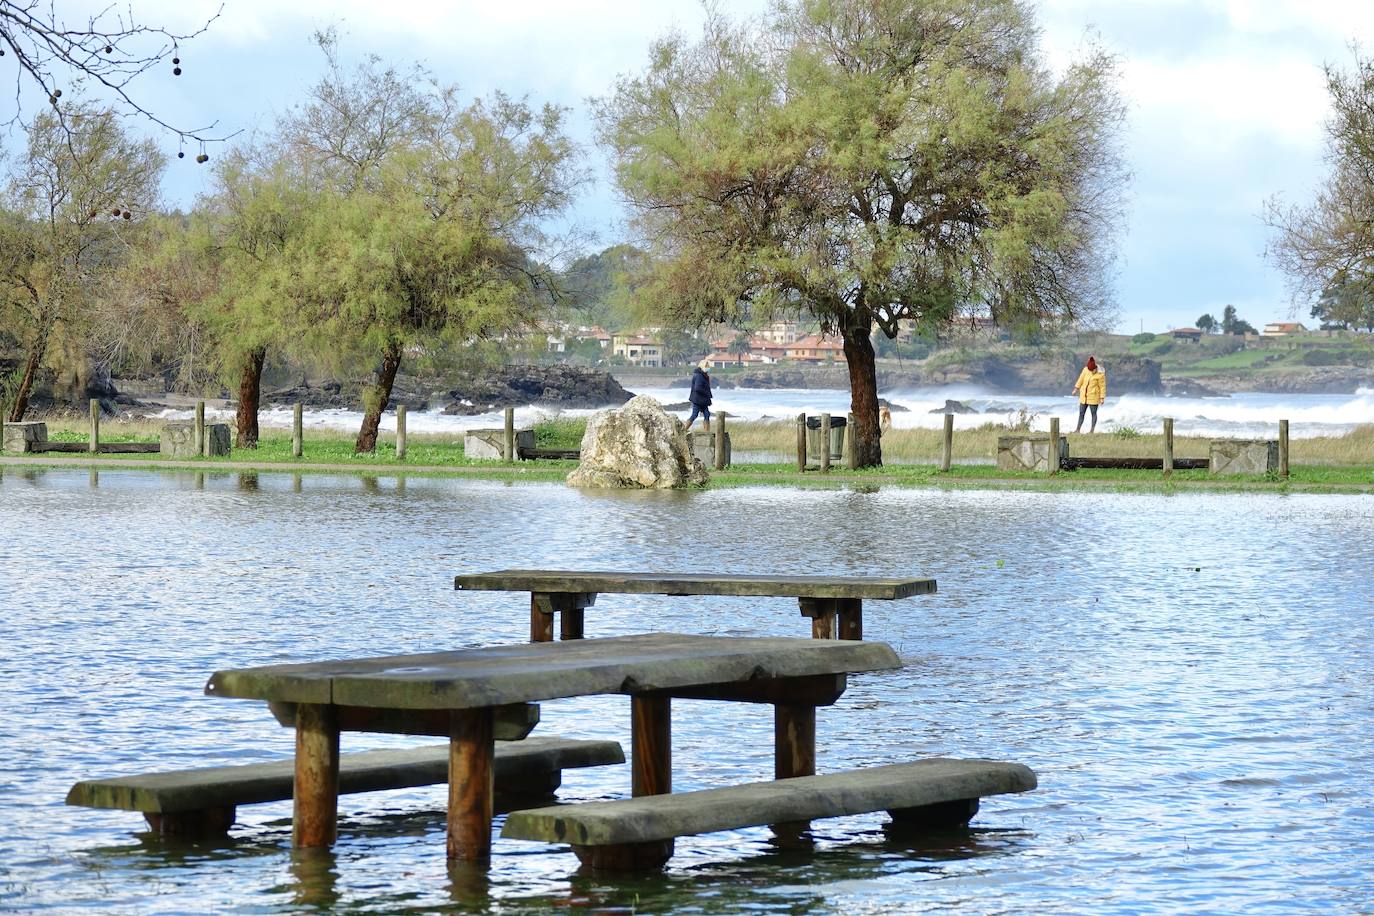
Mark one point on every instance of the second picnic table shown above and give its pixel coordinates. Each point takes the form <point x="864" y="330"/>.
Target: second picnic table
<point x="834" y="603"/>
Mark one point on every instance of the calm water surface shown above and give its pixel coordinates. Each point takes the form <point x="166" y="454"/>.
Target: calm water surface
<point x="1190" y="677"/>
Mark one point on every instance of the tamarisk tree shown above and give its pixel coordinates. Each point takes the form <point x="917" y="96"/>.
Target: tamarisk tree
<point x="869" y="162"/>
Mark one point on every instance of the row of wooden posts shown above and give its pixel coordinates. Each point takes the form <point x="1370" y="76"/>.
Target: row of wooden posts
<point x="1167" y="462"/>
<point x="849" y="456"/>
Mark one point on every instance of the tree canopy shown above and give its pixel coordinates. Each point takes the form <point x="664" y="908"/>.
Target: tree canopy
<point x="1329" y="241"/>
<point x="871" y="161"/>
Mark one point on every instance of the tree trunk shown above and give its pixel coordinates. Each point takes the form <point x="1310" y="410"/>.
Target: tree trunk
<point x="376" y="397"/>
<point x="250" y="397"/>
<point x="21" y="394"/>
<point x="863" y="396"/>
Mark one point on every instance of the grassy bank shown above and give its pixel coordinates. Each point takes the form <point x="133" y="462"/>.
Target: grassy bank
<point x="1330" y="463"/>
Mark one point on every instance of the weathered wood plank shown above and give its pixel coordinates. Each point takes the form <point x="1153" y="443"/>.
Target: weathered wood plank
<point x="882" y="588"/>
<point x="106" y="448"/>
<point x="1135" y="464"/>
<point x="529" y="672"/>
<point x="512" y="722"/>
<point x="533" y="454"/>
<point x="522" y="768"/>
<point x="661" y="817"/>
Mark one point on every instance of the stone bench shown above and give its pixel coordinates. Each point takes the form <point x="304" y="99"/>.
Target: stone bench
<point x="638" y="833"/>
<point x="203" y="801"/>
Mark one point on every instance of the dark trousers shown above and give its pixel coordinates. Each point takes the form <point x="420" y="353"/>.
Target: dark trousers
<point x="1083" y="409"/>
<point x="701" y="409"/>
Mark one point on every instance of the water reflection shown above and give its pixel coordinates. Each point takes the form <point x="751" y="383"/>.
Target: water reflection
<point x="316" y="878"/>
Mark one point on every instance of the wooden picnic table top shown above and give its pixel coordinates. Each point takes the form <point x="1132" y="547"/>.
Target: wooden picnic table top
<point x="529" y="672"/>
<point x="640" y="583"/>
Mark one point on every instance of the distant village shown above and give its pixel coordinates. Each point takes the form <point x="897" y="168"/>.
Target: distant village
<point x="792" y="342"/>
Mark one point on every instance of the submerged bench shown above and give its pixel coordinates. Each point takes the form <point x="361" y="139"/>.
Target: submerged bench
<point x="638" y="833"/>
<point x="832" y="602"/>
<point x="203" y="801"/>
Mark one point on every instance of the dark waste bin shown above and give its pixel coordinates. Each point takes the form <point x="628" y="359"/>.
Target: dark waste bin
<point x="813" y="438"/>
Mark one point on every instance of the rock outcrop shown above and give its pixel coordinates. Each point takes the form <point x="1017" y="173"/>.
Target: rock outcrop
<point x="638" y="446"/>
<point x="516" y="386"/>
<point x="958" y="407"/>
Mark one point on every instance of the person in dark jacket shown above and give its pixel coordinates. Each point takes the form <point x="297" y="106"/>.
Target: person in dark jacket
<point x="700" y="397"/>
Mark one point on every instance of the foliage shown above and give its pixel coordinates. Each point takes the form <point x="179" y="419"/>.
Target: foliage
<point x="1143" y="338"/>
<point x="601" y="288"/>
<point x="1348" y="301"/>
<point x="1126" y="432"/>
<point x="1207" y="324"/>
<point x="870" y="162"/>
<point x="1232" y="324"/>
<point x="1330" y="240"/>
<point x="70" y="203"/>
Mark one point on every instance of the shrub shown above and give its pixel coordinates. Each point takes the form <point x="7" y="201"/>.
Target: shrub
<point x="1126" y="432"/>
<point x="1322" y="357"/>
<point x="1143" y="338"/>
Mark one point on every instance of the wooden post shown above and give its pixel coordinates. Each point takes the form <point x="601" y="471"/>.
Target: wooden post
<point x="822" y="612"/>
<point x="851" y="460"/>
<point x="720" y="440"/>
<point x="947" y="448"/>
<point x="200" y="428"/>
<point x="1283" y="449"/>
<point x="400" y="432"/>
<point x="315" y="804"/>
<point x="1168" y="446"/>
<point x="794" y="741"/>
<point x="541" y="620"/>
<point x="825" y="443"/>
<point x="801" y="442"/>
<point x="509" y="448"/>
<point x="850" y="617"/>
<point x="471" y="755"/>
<point x="1054" y="446"/>
<point x="651" y="745"/>
<point x="297" y="432"/>
<point x="95" y="427"/>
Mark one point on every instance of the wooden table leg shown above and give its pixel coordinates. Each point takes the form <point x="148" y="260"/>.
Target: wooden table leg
<point x="822" y="613"/>
<point x="794" y="741"/>
<point x="570" y="623"/>
<point x="541" y="618"/>
<point x="471" y="756"/>
<point x="851" y="614"/>
<point x="651" y="746"/>
<point x="569" y="608"/>
<point x="794" y="754"/>
<point x="315" y="798"/>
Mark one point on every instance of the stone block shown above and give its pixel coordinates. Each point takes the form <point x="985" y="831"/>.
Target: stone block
<point x="704" y="447"/>
<point x="178" y="439"/>
<point x="1244" y="456"/>
<point x="21" y="437"/>
<point x="489" y="444"/>
<point x="1028" y="453"/>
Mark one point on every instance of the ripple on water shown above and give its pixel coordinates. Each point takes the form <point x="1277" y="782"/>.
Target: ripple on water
<point x="1189" y="676"/>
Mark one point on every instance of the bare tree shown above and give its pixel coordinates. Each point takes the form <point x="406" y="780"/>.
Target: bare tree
<point x="108" y="50"/>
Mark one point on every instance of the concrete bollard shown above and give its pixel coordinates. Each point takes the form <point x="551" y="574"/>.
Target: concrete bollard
<point x="94" y="446"/>
<point x="801" y="442"/>
<point x="400" y="432"/>
<point x="1168" y="446"/>
<point x="947" y="446"/>
<point x="297" y="432"/>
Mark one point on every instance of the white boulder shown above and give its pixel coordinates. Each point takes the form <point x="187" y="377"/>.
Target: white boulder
<point x="637" y="446"/>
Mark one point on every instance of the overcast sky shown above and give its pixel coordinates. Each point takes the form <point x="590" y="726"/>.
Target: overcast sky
<point x="1227" y="104"/>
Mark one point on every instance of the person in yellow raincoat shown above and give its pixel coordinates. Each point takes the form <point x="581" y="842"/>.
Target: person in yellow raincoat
<point x="1091" y="389"/>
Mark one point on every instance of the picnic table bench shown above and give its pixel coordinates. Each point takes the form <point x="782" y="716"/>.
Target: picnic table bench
<point x="827" y="600"/>
<point x="204" y="801"/>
